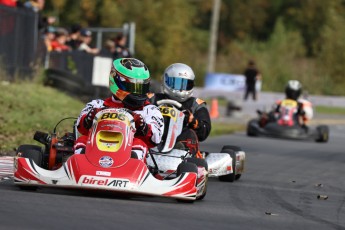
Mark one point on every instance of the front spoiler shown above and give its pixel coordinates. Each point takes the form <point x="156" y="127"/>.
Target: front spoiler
<point x="133" y="177"/>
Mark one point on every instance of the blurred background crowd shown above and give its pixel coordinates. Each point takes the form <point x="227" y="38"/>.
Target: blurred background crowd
<point x="287" y="39"/>
<point x="68" y="38"/>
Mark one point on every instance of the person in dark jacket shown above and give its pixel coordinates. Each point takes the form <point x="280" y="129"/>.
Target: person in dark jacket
<point x="178" y="84"/>
<point x="74" y="37"/>
<point x="252" y="74"/>
<point x="121" y="50"/>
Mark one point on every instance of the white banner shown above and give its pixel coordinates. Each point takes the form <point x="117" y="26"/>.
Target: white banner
<point x="227" y="82"/>
<point x="101" y="71"/>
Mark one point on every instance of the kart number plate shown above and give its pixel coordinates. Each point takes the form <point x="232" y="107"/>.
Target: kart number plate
<point x="169" y="112"/>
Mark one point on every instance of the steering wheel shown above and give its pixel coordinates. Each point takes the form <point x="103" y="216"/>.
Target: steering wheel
<point x="170" y="102"/>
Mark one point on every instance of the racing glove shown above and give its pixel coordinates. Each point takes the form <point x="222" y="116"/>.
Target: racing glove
<point x="187" y="116"/>
<point x="89" y="118"/>
<point x="140" y="125"/>
<point x="189" y="119"/>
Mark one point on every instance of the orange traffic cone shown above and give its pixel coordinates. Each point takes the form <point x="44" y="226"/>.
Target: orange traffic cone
<point x="214" y="113"/>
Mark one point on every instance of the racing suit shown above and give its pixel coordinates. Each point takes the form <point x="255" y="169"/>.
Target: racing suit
<point x="281" y="114"/>
<point x="303" y="113"/>
<point x="150" y="113"/>
<point x="196" y="130"/>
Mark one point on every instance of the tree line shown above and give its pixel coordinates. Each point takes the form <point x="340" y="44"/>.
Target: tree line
<point x="289" y="39"/>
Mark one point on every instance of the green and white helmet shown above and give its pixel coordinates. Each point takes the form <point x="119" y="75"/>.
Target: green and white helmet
<point x="130" y="75"/>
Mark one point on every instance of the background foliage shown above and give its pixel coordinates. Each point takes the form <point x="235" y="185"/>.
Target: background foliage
<point x="289" y="39"/>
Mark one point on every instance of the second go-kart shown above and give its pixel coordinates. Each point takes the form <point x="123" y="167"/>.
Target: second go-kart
<point x="227" y="165"/>
<point x="106" y="165"/>
<point x="286" y="125"/>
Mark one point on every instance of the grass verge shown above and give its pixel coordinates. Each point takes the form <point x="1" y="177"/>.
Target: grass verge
<point x="27" y="107"/>
<point x="225" y="128"/>
<point x="330" y="110"/>
<point x="221" y="101"/>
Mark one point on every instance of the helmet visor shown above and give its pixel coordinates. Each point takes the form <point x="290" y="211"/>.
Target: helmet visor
<point x="178" y="83"/>
<point x="135" y="86"/>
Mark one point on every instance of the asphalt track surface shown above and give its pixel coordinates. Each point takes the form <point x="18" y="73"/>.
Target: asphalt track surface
<point x="279" y="190"/>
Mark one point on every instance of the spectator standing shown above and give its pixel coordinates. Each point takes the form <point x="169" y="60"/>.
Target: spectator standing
<point x="59" y="44"/>
<point x="74" y="37"/>
<point x="49" y="37"/>
<point x="35" y="5"/>
<point x="43" y="21"/>
<point x="251" y="74"/>
<point x="109" y="49"/>
<point x="121" y="50"/>
<point x="86" y="38"/>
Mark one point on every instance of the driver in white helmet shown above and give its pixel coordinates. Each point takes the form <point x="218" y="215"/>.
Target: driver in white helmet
<point x="293" y="90"/>
<point x="178" y="84"/>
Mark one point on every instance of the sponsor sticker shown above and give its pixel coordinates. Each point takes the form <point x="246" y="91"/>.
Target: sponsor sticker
<point x="101" y="181"/>
<point x="213" y="170"/>
<point x="106" y="161"/>
<point x="102" y="173"/>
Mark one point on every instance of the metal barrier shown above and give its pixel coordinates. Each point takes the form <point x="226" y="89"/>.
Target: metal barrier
<point x="128" y="29"/>
<point x="18" y="39"/>
<point x="74" y="62"/>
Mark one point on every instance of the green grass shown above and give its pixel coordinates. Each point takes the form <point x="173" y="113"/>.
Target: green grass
<point x="225" y="128"/>
<point x="221" y="101"/>
<point x="27" y="107"/>
<point x="330" y="110"/>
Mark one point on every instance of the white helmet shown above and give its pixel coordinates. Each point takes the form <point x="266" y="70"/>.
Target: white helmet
<point x="178" y="82"/>
<point x="293" y="89"/>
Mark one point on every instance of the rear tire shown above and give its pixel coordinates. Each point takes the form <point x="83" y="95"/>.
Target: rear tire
<point x="238" y="176"/>
<point x="235" y="149"/>
<point x="32" y="152"/>
<point x="23" y="148"/>
<point x="322" y="133"/>
<point x="230" y="177"/>
<point x="232" y="147"/>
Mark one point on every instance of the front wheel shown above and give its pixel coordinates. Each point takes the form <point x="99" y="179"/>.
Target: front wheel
<point x="202" y="181"/>
<point x="185" y="167"/>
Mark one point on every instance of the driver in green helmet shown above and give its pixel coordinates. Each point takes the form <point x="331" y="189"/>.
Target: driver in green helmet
<point x="129" y="83"/>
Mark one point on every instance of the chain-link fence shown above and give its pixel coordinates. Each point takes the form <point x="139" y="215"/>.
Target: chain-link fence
<point x="18" y="40"/>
